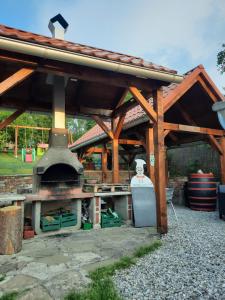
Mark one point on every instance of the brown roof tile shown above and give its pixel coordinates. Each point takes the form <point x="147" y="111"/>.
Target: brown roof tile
<point x="78" y="48"/>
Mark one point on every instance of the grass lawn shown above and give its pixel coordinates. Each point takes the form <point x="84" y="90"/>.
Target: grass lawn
<point x="9" y="165"/>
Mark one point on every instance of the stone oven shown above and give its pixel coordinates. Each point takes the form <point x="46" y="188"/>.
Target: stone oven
<point x="59" y="171"/>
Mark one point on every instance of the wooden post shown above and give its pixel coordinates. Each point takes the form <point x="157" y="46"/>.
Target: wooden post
<point x="104" y="163"/>
<point x="222" y="160"/>
<point x="16" y="142"/>
<point x="150" y="155"/>
<point x="115" y="154"/>
<point x="10" y="229"/>
<point x="160" y="186"/>
<point x="115" y="161"/>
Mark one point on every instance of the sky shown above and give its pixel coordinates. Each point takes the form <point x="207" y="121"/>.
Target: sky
<point x="178" y="34"/>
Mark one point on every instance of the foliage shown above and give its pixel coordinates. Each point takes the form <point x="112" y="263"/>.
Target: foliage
<point x="30" y="137"/>
<point x="2" y="277"/>
<point x="221" y="59"/>
<point x="9" y="296"/>
<point x="193" y="166"/>
<point x="102" y="287"/>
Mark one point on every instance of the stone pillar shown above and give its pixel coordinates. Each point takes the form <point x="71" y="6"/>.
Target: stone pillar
<point x="95" y="212"/>
<point x="76" y="209"/>
<point x="36" y="216"/>
<point x="123" y="208"/>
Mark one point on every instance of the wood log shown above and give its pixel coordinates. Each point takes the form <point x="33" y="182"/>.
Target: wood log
<point x="10" y="230"/>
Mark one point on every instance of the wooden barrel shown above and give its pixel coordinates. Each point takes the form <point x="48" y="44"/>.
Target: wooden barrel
<point x="202" y="192"/>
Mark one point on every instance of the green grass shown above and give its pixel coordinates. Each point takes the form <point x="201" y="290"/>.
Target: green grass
<point x="144" y="250"/>
<point x="2" y="277"/>
<point x="9" y="165"/>
<point x="102" y="287"/>
<point x="9" y="296"/>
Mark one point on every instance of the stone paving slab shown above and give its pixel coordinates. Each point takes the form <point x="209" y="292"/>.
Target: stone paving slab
<point x="51" y="265"/>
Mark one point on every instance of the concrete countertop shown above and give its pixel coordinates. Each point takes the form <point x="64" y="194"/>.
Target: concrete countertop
<point x="7" y="199"/>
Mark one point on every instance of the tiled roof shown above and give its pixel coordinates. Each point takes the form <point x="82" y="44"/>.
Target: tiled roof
<point x="80" y="49"/>
<point x="132" y="115"/>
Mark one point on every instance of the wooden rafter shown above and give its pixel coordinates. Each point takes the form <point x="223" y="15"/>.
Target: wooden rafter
<point x="207" y="78"/>
<point x="11" y="118"/>
<point x="79" y="72"/>
<point x="143" y="103"/>
<point x="120" y="102"/>
<point x="15" y="79"/>
<point x="193" y="129"/>
<point x="189" y="120"/>
<point x="99" y="121"/>
<point x="181" y="89"/>
<point x="215" y="144"/>
<point x="130" y="142"/>
<point x="210" y="93"/>
<point x="124" y="108"/>
<point x="166" y="132"/>
<point x="119" y="126"/>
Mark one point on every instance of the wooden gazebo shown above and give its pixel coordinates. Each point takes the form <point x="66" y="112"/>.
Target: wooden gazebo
<point x="96" y="83"/>
<point x="187" y="115"/>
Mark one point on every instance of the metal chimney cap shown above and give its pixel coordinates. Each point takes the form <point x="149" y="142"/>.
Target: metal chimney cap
<point x="58" y="20"/>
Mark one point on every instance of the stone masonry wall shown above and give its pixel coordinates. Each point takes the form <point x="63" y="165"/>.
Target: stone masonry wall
<point x="178" y="184"/>
<point x="10" y="184"/>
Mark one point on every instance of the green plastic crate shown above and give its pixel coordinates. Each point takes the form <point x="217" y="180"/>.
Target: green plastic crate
<point x="47" y="225"/>
<point x="108" y="220"/>
<point x="87" y="226"/>
<point x="68" y="219"/>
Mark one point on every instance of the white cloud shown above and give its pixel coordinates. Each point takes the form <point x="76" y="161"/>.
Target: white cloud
<point x="179" y="34"/>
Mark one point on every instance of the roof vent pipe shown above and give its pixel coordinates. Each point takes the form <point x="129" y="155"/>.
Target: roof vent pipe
<point x="58" y="27"/>
<point x="219" y="107"/>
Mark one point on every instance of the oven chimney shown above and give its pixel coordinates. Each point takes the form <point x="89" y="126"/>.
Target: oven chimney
<point x="58" y="26"/>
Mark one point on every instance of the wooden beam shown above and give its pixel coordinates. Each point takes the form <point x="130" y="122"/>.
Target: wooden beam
<point x="15" y="79"/>
<point x="16" y="142"/>
<point x="11" y="118"/>
<point x="95" y="111"/>
<point x="215" y="144"/>
<point x="207" y="89"/>
<point x="94" y="150"/>
<point x="166" y="132"/>
<point x="124" y="108"/>
<point x="181" y="89"/>
<point x="29" y="127"/>
<point x="115" y="161"/>
<point x="78" y="72"/>
<point x="104" y="163"/>
<point x="147" y="107"/>
<point x="103" y="126"/>
<point x="193" y="129"/>
<point x="120" y="102"/>
<point x="160" y="175"/>
<point x="130" y="142"/>
<point x="119" y="126"/>
<point x="150" y="153"/>
<point x="222" y="160"/>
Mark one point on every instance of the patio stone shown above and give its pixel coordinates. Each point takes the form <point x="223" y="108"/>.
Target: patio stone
<point x="50" y="266"/>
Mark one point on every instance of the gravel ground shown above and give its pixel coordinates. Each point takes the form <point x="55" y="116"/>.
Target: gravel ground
<point x="189" y="265"/>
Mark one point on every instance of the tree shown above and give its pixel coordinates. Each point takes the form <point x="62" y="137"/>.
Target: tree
<point x="221" y="59"/>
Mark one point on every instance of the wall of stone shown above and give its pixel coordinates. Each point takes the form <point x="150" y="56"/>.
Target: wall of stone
<point x="178" y="184"/>
<point x="10" y="184"/>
